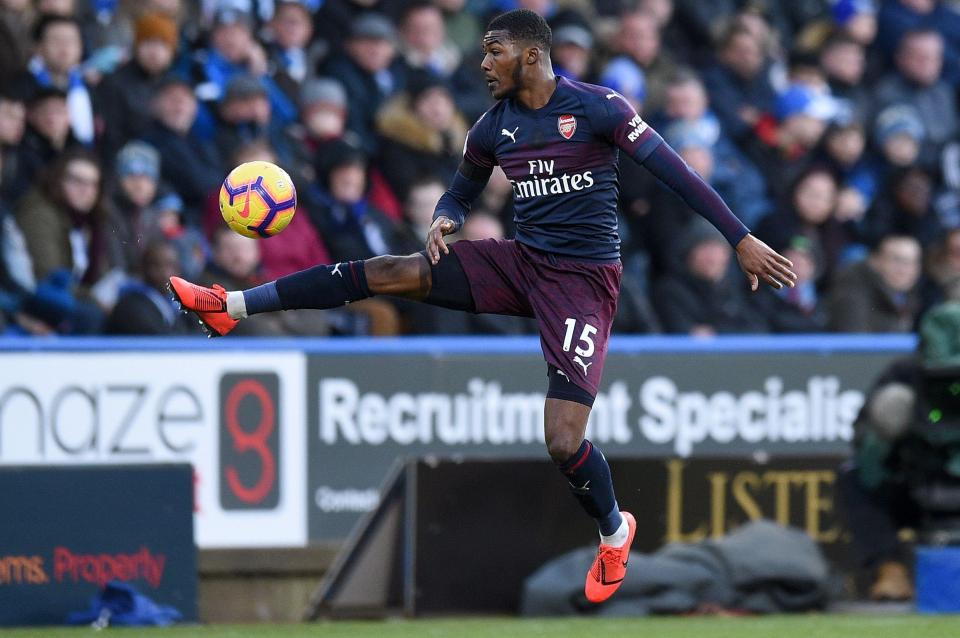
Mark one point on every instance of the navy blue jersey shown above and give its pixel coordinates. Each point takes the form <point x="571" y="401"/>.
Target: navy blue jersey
<point x="562" y="162"/>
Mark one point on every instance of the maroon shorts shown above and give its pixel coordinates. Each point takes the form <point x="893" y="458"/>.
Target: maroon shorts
<point x="573" y="301"/>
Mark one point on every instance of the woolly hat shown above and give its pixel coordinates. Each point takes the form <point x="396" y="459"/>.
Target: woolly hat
<point x="156" y="26"/>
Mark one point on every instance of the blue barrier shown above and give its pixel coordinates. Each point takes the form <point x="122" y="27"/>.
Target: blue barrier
<point x="819" y="343"/>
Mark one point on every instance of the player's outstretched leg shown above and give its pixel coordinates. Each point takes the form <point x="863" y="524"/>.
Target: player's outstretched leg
<point x="320" y="287"/>
<point x="588" y="475"/>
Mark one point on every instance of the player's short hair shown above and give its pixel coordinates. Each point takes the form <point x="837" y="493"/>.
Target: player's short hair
<point x="524" y="25"/>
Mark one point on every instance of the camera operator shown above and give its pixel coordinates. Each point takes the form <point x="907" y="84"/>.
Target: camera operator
<point x="905" y="470"/>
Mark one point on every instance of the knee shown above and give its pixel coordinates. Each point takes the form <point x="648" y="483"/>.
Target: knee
<point x="562" y="444"/>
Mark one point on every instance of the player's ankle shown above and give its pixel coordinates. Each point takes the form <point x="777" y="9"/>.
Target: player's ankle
<point x="619" y="537"/>
<point x="236" y="305"/>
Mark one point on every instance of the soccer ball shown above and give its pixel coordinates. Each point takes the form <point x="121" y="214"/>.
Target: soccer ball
<point x="258" y="199"/>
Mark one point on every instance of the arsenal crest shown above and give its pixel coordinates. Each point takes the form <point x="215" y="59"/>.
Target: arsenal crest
<point x="567" y="125"/>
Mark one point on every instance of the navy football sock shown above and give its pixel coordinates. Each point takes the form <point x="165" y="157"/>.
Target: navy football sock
<point x="262" y="299"/>
<point x="318" y="287"/>
<point x="588" y="474"/>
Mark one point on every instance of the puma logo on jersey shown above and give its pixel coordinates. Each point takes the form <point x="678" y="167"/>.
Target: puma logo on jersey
<point x="507" y="133"/>
<point x="582" y="364"/>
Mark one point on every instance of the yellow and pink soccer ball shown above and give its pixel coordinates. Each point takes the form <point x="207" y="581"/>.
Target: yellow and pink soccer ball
<point x="258" y="199"/>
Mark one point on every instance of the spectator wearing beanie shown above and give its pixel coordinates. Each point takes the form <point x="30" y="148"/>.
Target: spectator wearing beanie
<point x="899" y="134"/>
<point x="323" y="121"/>
<point x="123" y="98"/>
<point x="134" y="190"/>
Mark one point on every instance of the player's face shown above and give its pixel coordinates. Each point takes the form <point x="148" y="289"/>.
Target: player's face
<point x="501" y="64"/>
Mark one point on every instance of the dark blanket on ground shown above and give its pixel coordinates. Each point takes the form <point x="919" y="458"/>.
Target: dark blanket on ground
<point x="760" y="567"/>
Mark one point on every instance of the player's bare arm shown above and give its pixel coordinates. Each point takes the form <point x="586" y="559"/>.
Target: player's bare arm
<point x="441" y="227"/>
<point x="759" y="263"/>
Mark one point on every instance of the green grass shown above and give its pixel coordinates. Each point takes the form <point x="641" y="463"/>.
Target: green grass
<point x="802" y="626"/>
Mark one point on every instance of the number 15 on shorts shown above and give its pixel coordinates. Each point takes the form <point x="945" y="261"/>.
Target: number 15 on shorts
<point x="584" y="348"/>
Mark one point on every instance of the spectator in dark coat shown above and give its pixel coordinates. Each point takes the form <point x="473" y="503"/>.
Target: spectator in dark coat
<point x="879" y="294"/>
<point x="13" y="123"/>
<point x="423" y="134"/>
<point x="123" y="98"/>
<point x="187" y="161"/>
<point x="739" y="83"/>
<point x="145" y="306"/>
<point x="46" y="137"/>
<point x="341" y="210"/>
<point x="906" y="208"/>
<point x="370" y="72"/>
<point x="702" y="298"/>
<point x="245" y="115"/>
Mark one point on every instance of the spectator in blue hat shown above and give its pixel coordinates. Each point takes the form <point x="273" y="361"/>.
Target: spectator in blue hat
<point x="917" y="82"/>
<point x="856" y="19"/>
<point x="785" y="139"/>
<point x="899" y="135"/>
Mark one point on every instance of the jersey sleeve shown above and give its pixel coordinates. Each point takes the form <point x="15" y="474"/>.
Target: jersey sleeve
<point x="621" y="125"/>
<point x="635" y="137"/>
<point x="478" y="147"/>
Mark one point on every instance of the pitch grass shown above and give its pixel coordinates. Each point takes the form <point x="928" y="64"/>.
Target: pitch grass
<point x="800" y="626"/>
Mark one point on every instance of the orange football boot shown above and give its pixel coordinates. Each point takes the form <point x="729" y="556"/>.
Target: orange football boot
<point x="610" y="566"/>
<point x="208" y="304"/>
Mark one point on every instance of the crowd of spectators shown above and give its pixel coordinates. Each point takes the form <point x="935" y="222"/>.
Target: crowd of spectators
<point x="829" y="126"/>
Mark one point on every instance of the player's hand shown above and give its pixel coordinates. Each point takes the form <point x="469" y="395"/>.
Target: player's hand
<point x="759" y="263"/>
<point x="435" y="245"/>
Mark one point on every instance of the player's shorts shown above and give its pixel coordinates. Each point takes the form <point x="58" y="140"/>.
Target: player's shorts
<point x="573" y="301"/>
